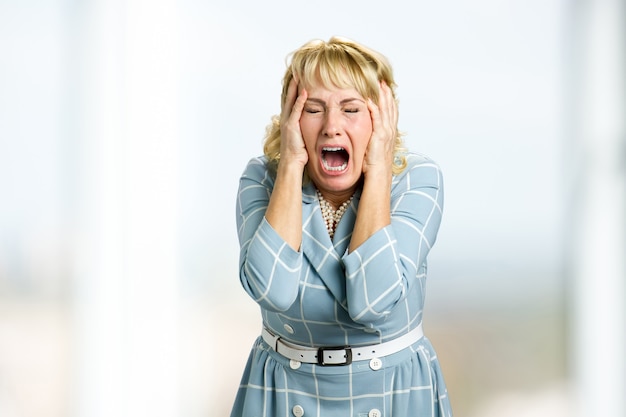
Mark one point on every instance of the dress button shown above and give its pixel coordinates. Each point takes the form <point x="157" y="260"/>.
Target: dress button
<point x="376" y="364"/>
<point x="298" y="411"/>
<point x="289" y="329"/>
<point x="374" y="412"/>
<point x="294" y="364"/>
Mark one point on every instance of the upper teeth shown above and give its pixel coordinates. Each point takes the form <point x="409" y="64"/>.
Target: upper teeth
<point x="333" y="149"/>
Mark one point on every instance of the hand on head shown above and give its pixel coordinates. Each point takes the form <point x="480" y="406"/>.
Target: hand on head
<point x="292" y="147"/>
<point x="380" y="150"/>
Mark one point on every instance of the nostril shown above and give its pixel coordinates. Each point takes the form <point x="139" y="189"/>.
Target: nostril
<point x="331" y="131"/>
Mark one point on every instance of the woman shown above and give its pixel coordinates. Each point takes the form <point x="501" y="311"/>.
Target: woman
<point x="335" y="222"/>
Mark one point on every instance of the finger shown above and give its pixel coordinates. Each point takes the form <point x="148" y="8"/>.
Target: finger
<point x="390" y="118"/>
<point x="389" y="104"/>
<point x="290" y="125"/>
<point x="382" y="106"/>
<point x="298" y="106"/>
<point x="393" y="108"/>
<point x="290" y="99"/>
<point x="374" y="113"/>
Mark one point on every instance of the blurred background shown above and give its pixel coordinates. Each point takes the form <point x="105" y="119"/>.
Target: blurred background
<point x="124" y="127"/>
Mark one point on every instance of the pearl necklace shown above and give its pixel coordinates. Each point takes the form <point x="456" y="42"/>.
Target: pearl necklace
<point x="330" y="215"/>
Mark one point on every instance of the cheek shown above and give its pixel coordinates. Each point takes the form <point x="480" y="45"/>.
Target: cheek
<point x="309" y="134"/>
<point x="308" y="123"/>
<point x="363" y="133"/>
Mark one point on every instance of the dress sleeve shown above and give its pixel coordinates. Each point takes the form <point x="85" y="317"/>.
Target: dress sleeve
<point x="269" y="268"/>
<point x="380" y="272"/>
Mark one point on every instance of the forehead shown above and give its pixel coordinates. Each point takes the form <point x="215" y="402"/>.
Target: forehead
<point x="332" y="94"/>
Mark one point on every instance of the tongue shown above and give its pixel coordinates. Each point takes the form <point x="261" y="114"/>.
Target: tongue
<point x="335" y="159"/>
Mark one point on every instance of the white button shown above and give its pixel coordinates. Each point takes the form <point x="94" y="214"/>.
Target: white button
<point x="294" y="364"/>
<point x="376" y="364"/>
<point x="289" y="329"/>
<point x="298" y="411"/>
<point x="374" y="412"/>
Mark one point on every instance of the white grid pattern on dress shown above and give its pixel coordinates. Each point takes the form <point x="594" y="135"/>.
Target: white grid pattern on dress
<point x="325" y="296"/>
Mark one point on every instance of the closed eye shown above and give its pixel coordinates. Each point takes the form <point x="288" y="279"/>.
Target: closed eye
<point x="312" y="111"/>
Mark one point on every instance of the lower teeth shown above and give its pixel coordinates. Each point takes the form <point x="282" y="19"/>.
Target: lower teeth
<point x="338" y="168"/>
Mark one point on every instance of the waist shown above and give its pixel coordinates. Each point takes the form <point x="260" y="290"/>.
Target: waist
<point x="340" y="355"/>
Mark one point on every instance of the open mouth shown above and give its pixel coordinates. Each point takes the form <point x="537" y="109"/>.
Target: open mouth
<point x="335" y="158"/>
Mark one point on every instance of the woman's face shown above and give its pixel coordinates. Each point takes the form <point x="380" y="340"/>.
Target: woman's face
<point x="336" y="126"/>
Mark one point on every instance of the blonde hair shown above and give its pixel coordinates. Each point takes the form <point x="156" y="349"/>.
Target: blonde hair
<point x="341" y="63"/>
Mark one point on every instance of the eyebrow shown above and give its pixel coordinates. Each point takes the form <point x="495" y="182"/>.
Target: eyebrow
<point x="344" y="101"/>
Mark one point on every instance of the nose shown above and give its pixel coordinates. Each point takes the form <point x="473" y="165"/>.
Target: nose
<point x="332" y="123"/>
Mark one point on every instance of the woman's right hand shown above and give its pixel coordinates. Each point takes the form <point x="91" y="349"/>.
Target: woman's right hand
<point x="292" y="148"/>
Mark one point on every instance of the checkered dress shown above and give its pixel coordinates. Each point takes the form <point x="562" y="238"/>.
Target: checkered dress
<point x="325" y="296"/>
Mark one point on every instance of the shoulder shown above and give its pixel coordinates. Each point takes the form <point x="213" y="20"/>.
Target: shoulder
<point x="420" y="170"/>
<point x="257" y="169"/>
<point x="415" y="159"/>
<point x="256" y="164"/>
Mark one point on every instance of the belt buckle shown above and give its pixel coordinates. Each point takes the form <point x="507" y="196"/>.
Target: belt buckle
<point x="347" y="356"/>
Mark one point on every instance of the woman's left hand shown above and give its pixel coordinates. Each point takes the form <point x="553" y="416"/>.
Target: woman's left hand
<point x="380" y="150"/>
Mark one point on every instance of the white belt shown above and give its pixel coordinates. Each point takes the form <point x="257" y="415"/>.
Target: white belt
<point x="340" y="355"/>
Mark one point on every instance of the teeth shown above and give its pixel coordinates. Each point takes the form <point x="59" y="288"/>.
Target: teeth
<point x="327" y="149"/>
<point x="339" y="168"/>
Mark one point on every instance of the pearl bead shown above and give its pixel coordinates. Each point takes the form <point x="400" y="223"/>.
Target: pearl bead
<point x="330" y="215"/>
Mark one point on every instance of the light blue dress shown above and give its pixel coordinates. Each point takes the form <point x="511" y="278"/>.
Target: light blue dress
<point x="325" y="296"/>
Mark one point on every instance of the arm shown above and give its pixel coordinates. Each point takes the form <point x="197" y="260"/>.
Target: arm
<point x="380" y="272"/>
<point x="284" y="211"/>
<point x="270" y="216"/>
<point x="269" y="267"/>
<point x="394" y="230"/>
<point x="374" y="207"/>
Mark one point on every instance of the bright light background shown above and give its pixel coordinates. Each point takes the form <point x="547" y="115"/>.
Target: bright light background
<point x="124" y="127"/>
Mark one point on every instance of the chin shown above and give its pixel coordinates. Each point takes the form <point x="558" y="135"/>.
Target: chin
<point x="338" y="183"/>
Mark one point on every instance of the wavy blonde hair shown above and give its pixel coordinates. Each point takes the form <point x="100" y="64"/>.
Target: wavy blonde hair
<point x="341" y="63"/>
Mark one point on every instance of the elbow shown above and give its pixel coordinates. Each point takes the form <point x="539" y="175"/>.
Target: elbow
<point x="367" y="316"/>
<point x="377" y="307"/>
<point x="270" y="295"/>
<point x="365" y="313"/>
